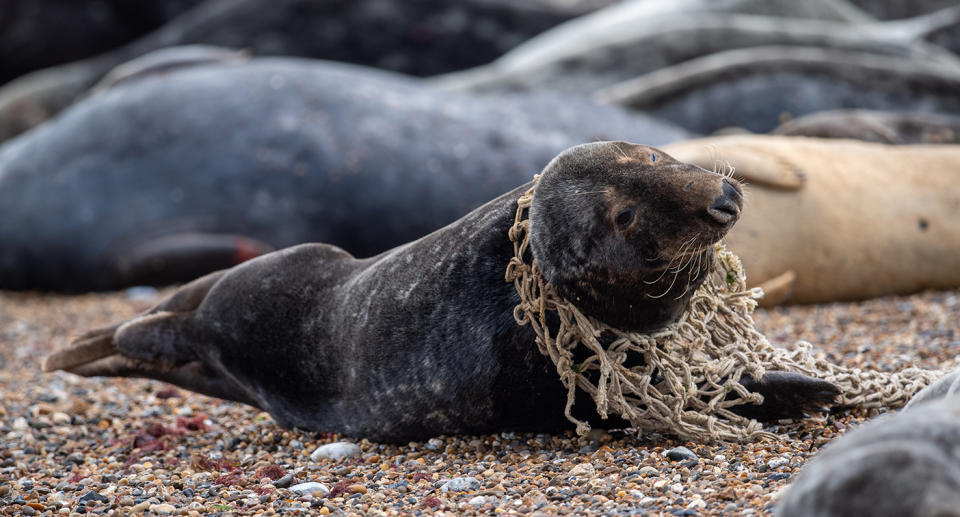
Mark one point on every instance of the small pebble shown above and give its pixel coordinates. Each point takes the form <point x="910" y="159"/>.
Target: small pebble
<point x="460" y="485"/>
<point x="92" y="496"/>
<point x="477" y="501"/>
<point x="584" y="470"/>
<point x="141" y="293"/>
<point x="335" y="451"/>
<point x="680" y="453"/>
<point x="311" y="488"/>
<point x="777" y="463"/>
<point x="284" y="481"/>
<point x="141" y="507"/>
<point x="162" y="509"/>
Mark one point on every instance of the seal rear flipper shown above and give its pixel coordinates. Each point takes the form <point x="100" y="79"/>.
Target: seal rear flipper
<point x="787" y="395"/>
<point x="158" y="336"/>
<point x="184" y="256"/>
<point x="91" y="346"/>
<point x="194" y="376"/>
<point x="100" y="342"/>
<point x="161" y="345"/>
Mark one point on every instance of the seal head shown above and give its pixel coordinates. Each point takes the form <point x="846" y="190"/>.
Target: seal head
<point x="626" y="232"/>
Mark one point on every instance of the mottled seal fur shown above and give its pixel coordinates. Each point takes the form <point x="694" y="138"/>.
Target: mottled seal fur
<point x="905" y="464"/>
<point x="421" y="340"/>
<point x="886" y="127"/>
<point x="842" y="219"/>
<point x="421" y="37"/>
<point x="947" y="386"/>
<point x="753" y="88"/>
<point x="155" y="180"/>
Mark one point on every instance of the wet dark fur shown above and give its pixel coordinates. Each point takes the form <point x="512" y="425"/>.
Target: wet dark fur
<point x="421" y="340"/>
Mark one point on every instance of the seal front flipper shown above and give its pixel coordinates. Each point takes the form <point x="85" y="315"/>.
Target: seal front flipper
<point x="751" y="165"/>
<point x="787" y="395"/>
<point x="182" y="256"/>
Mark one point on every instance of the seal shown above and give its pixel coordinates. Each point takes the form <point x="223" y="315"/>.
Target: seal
<point x="754" y="87"/>
<point x="903" y="463"/>
<point x="418" y="38"/>
<point x="897" y="9"/>
<point x="162" y="179"/>
<point x="830" y="220"/>
<point x="421" y="340"/>
<point x="593" y="57"/>
<point x="34" y="37"/>
<point x="897" y="128"/>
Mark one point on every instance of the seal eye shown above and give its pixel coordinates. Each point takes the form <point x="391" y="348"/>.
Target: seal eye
<point x="624" y="217"/>
<point x="654" y="157"/>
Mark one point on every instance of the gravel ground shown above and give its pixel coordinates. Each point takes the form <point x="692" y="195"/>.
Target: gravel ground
<point x="69" y="444"/>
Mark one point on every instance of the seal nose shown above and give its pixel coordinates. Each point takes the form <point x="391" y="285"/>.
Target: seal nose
<point x="726" y="208"/>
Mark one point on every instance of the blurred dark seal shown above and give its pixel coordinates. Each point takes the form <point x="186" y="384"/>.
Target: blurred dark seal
<point x="419" y="37"/>
<point x="421" y="340"/>
<point x="886" y="127"/>
<point x="172" y="175"/>
<point x="904" y="464"/>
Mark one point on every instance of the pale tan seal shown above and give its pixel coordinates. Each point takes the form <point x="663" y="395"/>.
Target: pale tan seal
<point x="829" y="220"/>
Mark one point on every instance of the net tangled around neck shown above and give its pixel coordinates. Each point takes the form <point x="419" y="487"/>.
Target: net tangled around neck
<point x="688" y="379"/>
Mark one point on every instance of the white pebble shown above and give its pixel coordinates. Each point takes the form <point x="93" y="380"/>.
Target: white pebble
<point x="777" y="463"/>
<point x="647" y="501"/>
<point x="311" y="488"/>
<point x="141" y="293"/>
<point x="460" y="485"/>
<point x="335" y="451"/>
<point x="20" y="424"/>
<point x="478" y="501"/>
<point x="163" y="509"/>
<point x="584" y="470"/>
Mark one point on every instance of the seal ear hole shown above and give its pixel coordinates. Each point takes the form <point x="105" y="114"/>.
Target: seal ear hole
<point x="625" y="217"/>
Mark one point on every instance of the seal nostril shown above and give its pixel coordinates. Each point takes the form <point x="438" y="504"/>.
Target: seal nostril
<point x="731" y="190"/>
<point x="724" y="209"/>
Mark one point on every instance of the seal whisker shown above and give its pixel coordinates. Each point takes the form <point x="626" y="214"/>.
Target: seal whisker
<point x="670" y="263"/>
<point x="696" y="257"/>
<point x="672" y="282"/>
<point x="680" y="268"/>
<point x="685" y="253"/>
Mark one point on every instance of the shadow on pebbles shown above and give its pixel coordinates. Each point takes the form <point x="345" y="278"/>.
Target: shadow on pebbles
<point x="119" y="446"/>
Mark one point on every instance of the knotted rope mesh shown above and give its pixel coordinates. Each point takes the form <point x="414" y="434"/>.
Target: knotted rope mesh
<point x="688" y="378"/>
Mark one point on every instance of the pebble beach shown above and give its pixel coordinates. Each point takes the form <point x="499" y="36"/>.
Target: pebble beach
<point x="73" y="445"/>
